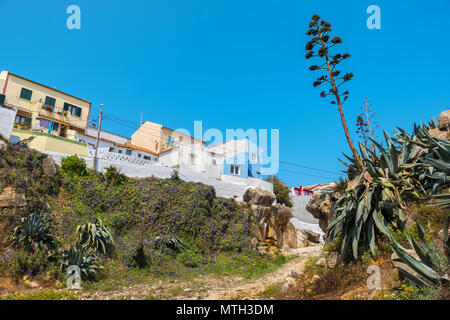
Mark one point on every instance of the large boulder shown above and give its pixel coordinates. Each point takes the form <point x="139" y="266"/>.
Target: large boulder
<point x="311" y="235"/>
<point x="321" y="205"/>
<point x="258" y="196"/>
<point x="10" y="198"/>
<point x="444" y="120"/>
<point x="48" y="166"/>
<point x="3" y="146"/>
<point x="278" y="221"/>
<point x="290" y="236"/>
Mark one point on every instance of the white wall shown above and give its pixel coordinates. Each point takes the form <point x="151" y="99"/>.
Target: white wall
<point x="106" y="135"/>
<point x="7" y="117"/>
<point x="227" y="189"/>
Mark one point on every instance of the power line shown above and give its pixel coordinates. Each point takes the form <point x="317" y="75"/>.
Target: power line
<point x="306" y="174"/>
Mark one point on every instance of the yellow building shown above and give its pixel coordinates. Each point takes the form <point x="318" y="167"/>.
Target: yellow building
<point x="43" y="109"/>
<point x="158" y="139"/>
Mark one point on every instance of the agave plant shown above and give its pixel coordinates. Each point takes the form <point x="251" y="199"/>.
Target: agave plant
<point x="84" y="259"/>
<point x="96" y="236"/>
<point x="433" y="267"/>
<point x="34" y="232"/>
<point x="408" y="169"/>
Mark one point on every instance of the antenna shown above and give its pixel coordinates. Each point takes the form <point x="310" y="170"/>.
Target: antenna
<point x="140" y="123"/>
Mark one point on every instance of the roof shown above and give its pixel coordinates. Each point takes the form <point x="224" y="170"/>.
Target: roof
<point x="43" y="85"/>
<point x="141" y="149"/>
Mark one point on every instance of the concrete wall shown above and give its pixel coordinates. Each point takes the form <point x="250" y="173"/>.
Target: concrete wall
<point x="45" y="142"/>
<point x="7" y="117"/>
<point x="299" y="209"/>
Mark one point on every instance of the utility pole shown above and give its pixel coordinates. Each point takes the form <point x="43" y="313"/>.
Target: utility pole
<point x="99" y="127"/>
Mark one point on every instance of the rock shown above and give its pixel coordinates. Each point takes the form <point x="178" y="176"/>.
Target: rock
<point x="48" y="166"/>
<point x="3" y="146"/>
<point x="294" y="274"/>
<point x="254" y="243"/>
<point x="290" y="236"/>
<point x="321" y="205"/>
<point x="311" y="235"/>
<point x="10" y="198"/>
<point x="436" y="133"/>
<point x="329" y="259"/>
<point x="441" y="234"/>
<point x="279" y="218"/>
<point x="288" y="283"/>
<point x="258" y="196"/>
<point x="444" y="120"/>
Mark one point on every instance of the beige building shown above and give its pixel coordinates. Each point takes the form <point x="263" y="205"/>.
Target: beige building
<point x="43" y="109"/>
<point x="159" y="139"/>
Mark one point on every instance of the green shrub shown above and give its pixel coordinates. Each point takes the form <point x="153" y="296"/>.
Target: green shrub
<point x="43" y="295"/>
<point x="23" y="263"/>
<point x="114" y="177"/>
<point x="280" y="191"/>
<point x="189" y="258"/>
<point x="74" y="165"/>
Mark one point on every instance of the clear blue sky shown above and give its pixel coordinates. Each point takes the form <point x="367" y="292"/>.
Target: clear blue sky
<point x="236" y="64"/>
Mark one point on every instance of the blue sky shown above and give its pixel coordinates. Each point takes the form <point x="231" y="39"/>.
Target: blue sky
<point x="236" y="64"/>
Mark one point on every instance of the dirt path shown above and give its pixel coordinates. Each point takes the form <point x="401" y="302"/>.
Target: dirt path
<point x="212" y="286"/>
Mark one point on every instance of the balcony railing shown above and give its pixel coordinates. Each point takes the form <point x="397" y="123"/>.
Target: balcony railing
<point x="53" y="109"/>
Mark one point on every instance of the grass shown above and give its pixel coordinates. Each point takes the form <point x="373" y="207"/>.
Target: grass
<point x="43" y="295"/>
<point x="273" y="290"/>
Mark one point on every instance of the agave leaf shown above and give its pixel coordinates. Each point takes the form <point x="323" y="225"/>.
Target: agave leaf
<point x="414" y="264"/>
<point x="412" y="277"/>
<point x="371" y="238"/>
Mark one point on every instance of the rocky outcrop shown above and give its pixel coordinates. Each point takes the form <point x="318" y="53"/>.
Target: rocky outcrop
<point x="258" y="196"/>
<point x="10" y="198"/>
<point x="443" y="130"/>
<point x="272" y="223"/>
<point x="444" y="120"/>
<point x="321" y="205"/>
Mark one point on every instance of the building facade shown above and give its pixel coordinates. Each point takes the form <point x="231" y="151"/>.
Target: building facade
<point x="43" y="109"/>
<point x="240" y="158"/>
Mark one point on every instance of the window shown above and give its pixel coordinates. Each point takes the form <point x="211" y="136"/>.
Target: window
<point x="253" y="156"/>
<point x="22" y="120"/>
<point x="50" y="102"/>
<point x="26" y="94"/>
<point x="234" y="169"/>
<point x="170" y="141"/>
<point x="120" y="151"/>
<point x="55" y="126"/>
<point x="214" y="162"/>
<point x="128" y="152"/>
<point x="147" y="158"/>
<point x="73" y="110"/>
<point x="139" y="155"/>
<point x="192" y="158"/>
